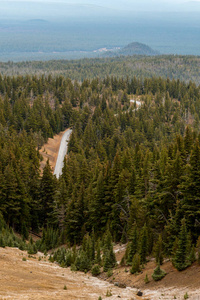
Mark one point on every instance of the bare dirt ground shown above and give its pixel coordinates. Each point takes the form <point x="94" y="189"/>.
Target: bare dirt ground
<point x="41" y="280"/>
<point x="50" y="150"/>
<point x="173" y="286"/>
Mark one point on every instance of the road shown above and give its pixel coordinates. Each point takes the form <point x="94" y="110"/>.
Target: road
<point x="62" y="152"/>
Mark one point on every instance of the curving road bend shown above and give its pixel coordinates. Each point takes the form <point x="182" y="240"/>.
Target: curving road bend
<point x="62" y="152"/>
<point x="64" y="145"/>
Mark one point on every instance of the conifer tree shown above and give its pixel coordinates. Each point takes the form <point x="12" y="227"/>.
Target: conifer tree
<point x="198" y="249"/>
<point x="191" y="188"/>
<point x="135" y="264"/>
<point x="48" y="187"/>
<point x="109" y="255"/>
<point x="144" y="244"/>
<point x="181" y="256"/>
<point x="133" y="245"/>
<point x="159" y="250"/>
<point x="158" y="273"/>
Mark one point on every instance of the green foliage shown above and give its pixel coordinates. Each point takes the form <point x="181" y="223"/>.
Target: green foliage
<point x="50" y="239"/>
<point x="64" y="257"/>
<point x="143" y="245"/>
<point x="96" y="270"/>
<point x="32" y="249"/>
<point x="159" y="250"/>
<point x="126" y="166"/>
<point x="109" y="260"/>
<point x="110" y="273"/>
<point x="198" y="250"/>
<point x="158" y="273"/>
<point x="133" y="245"/>
<point x="123" y="261"/>
<point x="136" y="264"/>
<point x="109" y="255"/>
<point x="170" y="66"/>
<point x="47" y="191"/>
<point x="181" y="257"/>
<point x="186" y="296"/>
<point x="9" y="239"/>
<point x="192" y="256"/>
<point x="146" y="280"/>
<point x="82" y="262"/>
<point x="108" y="293"/>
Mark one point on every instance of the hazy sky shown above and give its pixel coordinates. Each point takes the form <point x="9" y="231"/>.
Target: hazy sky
<point x="113" y="3"/>
<point x="106" y="2"/>
<point x="57" y="8"/>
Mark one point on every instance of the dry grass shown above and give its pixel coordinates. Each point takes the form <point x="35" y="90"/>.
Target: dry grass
<point x="42" y="280"/>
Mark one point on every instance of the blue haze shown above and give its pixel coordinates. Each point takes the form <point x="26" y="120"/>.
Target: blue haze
<point x="44" y="31"/>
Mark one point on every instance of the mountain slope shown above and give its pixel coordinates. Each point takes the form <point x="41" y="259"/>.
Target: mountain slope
<point x="134" y="48"/>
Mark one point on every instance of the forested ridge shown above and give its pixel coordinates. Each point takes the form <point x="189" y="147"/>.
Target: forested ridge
<point x="132" y="173"/>
<point x="184" y="68"/>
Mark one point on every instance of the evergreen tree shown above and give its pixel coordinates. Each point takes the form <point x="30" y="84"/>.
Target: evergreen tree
<point x="181" y="256"/>
<point x="190" y="188"/>
<point x="158" y="273"/>
<point x="144" y="244"/>
<point x="48" y="185"/>
<point x="135" y="264"/>
<point x="133" y="245"/>
<point x="159" y="250"/>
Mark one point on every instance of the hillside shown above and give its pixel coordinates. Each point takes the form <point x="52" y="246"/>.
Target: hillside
<point x="174" y="286"/>
<point x="134" y="48"/>
<point x="36" y="278"/>
<point x="138" y="48"/>
<point x="184" y="68"/>
<point x="33" y="276"/>
<point x="131" y="176"/>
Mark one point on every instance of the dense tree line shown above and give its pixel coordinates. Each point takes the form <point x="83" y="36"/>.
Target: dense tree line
<point x="132" y="172"/>
<point x="184" y="68"/>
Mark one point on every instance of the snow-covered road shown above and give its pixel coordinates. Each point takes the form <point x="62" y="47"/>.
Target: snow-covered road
<point x="62" y="152"/>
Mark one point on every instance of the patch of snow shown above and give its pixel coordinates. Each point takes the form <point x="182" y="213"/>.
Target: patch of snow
<point x="138" y="103"/>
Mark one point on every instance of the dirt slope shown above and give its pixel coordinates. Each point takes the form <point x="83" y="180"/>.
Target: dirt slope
<point x="173" y="286"/>
<point x="40" y="279"/>
<point x="50" y="150"/>
<point x="36" y="280"/>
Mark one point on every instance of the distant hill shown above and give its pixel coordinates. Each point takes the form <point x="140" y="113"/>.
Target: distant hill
<point x="37" y="21"/>
<point x="134" y="48"/>
<point x="138" y="48"/>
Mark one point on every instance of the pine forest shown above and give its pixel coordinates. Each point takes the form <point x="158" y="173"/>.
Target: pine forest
<point x="131" y="174"/>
